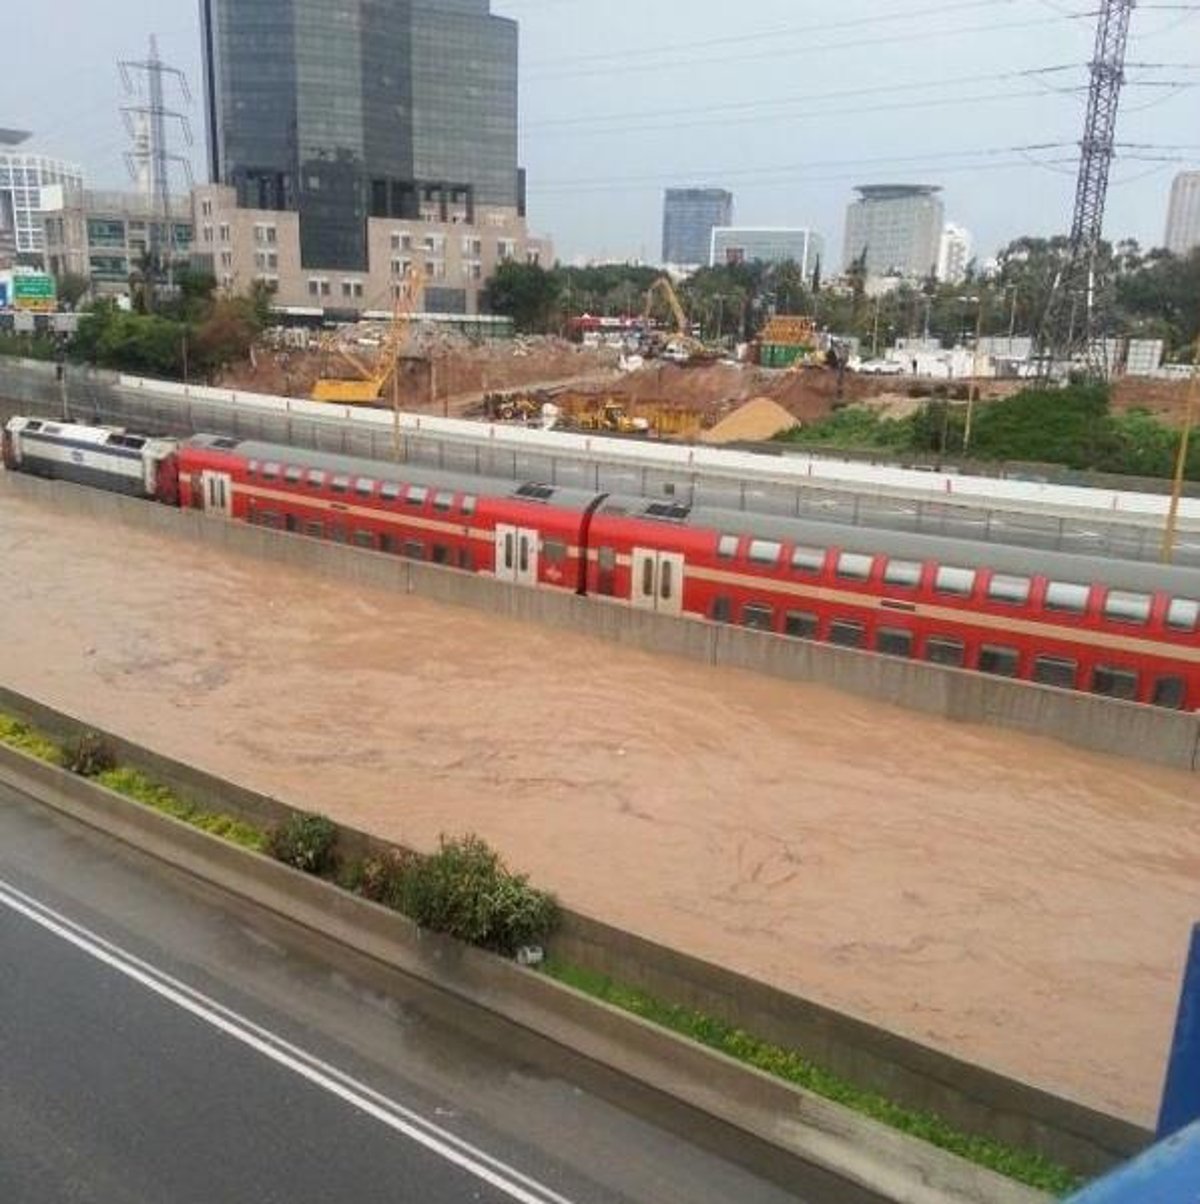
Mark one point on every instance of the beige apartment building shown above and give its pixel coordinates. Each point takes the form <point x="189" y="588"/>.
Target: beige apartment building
<point x="451" y="257"/>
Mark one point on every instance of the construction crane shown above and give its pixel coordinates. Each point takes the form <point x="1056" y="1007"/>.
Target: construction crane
<point x="369" y="384"/>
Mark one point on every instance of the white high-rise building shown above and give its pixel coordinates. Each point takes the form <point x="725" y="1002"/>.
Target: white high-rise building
<point x="22" y="178"/>
<point x="895" y="229"/>
<point x="954" y="254"/>
<point x="1183" y="216"/>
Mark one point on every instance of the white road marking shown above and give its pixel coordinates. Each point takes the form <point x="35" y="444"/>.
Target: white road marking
<point x="402" y="1120"/>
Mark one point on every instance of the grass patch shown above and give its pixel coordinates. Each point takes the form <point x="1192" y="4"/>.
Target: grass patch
<point x="131" y="783"/>
<point x="141" y="789"/>
<point x="786" y="1064"/>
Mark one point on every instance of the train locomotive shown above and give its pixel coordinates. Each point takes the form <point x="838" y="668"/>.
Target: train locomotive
<point x="1119" y="629"/>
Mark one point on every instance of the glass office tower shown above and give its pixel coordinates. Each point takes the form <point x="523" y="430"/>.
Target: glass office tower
<point x="370" y="108"/>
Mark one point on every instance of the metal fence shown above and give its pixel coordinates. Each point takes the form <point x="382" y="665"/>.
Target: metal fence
<point x="95" y="398"/>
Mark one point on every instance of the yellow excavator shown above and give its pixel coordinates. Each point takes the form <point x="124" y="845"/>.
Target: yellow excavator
<point x="368" y="385"/>
<point x="681" y="343"/>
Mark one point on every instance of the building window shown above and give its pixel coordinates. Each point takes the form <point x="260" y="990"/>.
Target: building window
<point x="472" y="247"/>
<point x="506" y="248"/>
<point x="475" y="271"/>
<point x="208" y="233"/>
<point x="227" y="259"/>
<point x="401" y="241"/>
<point x="435" y="244"/>
<point x="224" y="232"/>
<point x="314" y="288"/>
<point x="206" y="208"/>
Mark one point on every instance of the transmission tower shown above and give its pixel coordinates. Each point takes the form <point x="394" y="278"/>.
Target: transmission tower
<point x="151" y="157"/>
<point x="1074" y="326"/>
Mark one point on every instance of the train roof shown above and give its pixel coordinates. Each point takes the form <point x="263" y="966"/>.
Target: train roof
<point x="401" y="474"/>
<point x="1006" y="558"/>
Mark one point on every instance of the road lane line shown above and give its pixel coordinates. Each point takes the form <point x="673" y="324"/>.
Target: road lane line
<point x="475" y="1161"/>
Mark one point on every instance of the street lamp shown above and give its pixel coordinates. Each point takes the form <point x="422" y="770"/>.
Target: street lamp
<point x="971" y="391"/>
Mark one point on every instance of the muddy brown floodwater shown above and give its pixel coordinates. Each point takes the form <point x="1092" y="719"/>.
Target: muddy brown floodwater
<point x="1016" y="902"/>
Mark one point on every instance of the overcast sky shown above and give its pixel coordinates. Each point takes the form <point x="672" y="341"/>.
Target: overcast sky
<point x="788" y="103"/>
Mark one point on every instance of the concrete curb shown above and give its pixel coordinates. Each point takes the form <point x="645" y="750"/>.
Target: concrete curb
<point x="792" y="1121"/>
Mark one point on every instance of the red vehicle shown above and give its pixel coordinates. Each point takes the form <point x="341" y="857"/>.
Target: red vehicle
<point x="1124" y="630"/>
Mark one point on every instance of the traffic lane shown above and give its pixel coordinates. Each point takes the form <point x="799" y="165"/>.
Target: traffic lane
<point x="111" y="1093"/>
<point x="557" y="1116"/>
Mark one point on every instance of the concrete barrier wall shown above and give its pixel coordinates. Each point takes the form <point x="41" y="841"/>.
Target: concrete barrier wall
<point x="1100" y="724"/>
<point x="973" y="1098"/>
<point x="881" y="1164"/>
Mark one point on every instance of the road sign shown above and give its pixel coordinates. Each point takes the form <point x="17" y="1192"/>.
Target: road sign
<point x="35" y="291"/>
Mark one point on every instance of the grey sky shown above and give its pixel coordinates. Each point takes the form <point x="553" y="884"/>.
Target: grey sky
<point x="789" y="103"/>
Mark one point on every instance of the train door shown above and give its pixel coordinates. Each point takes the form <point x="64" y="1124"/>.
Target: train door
<point x="217" y="488"/>
<point x="516" y="555"/>
<point x="658" y="581"/>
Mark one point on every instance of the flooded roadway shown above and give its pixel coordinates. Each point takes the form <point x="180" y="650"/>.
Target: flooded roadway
<point x="1015" y="902"/>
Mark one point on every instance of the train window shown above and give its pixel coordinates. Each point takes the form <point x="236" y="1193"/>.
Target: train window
<point x="808" y="560"/>
<point x="1067" y="597"/>
<point x="758" y="617"/>
<point x="443" y="502"/>
<point x="414" y="549"/>
<point x="270" y="471"/>
<point x="364" y="539"/>
<point x="441" y="554"/>
<point x="904" y="574"/>
<point x="389" y="491"/>
<point x="1170" y="692"/>
<point x="252" y="468"/>
<point x="1114" y="682"/>
<point x="801" y="625"/>
<point x="722" y="610"/>
<point x="1123" y="607"/>
<point x="268" y="518"/>
<point x="892" y="641"/>
<point x="464" y="559"/>
<point x="852" y="566"/>
<point x="607" y="559"/>
<point x="666" y="581"/>
<point x="416" y="495"/>
<point x="338" y="534"/>
<point x="765" y="551"/>
<point x="648" y="578"/>
<point x="1183" y="614"/>
<point x="727" y="546"/>
<point x="1006" y="588"/>
<point x="339" y="484"/>
<point x="316" y="480"/>
<point x="364" y="486"/>
<point x="556" y="551"/>
<point x="293" y="475"/>
<point x="1056" y="671"/>
<point x="847" y="633"/>
<point x="316" y="530"/>
<point x="940" y="650"/>
<point x="958" y="582"/>
<point x="1001" y="661"/>
<point x="468" y="505"/>
<point x="387" y="543"/>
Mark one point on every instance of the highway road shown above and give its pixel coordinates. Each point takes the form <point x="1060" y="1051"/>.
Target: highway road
<point x="161" y="1043"/>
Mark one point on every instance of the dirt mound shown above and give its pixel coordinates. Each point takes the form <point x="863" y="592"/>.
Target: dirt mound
<point x="756" y="421"/>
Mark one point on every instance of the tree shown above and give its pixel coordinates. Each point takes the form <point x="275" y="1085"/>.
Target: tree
<point x="72" y="288"/>
<point x="525" y="292"/>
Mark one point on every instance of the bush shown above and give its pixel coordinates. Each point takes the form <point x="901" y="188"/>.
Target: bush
<point x="91" y="756"/>
<point x="466" y="891"/>
<point x="383" y="879"/>
<point x="305" y="842"/>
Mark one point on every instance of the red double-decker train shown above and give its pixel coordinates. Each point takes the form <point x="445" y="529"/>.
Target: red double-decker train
<point x="1125" y="630"/>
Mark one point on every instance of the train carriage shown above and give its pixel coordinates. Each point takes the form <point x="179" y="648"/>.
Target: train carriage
<point x="1125" y="630"/>
<point x="526" y="534"/>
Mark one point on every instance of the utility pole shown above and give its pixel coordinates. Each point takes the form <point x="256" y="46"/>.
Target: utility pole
<point x="973" y="393"/>
<point x="152" y="116"/>
<point x="1064" y="336"/>
<point x="1169" y="534"/>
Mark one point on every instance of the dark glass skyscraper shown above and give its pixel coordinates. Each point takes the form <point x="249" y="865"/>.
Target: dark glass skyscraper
<point x="364" y="108"/>
<point x="689" y="217"/>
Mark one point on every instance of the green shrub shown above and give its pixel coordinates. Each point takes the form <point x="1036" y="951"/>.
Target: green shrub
<point x="305" y="842"/>
<point x="466" y="891"/>
<point x="383" y="879"/>
<point x="91" y="756"/>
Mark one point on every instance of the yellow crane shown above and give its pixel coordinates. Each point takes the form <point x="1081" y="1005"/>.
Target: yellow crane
<point x="370" y="383"/>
